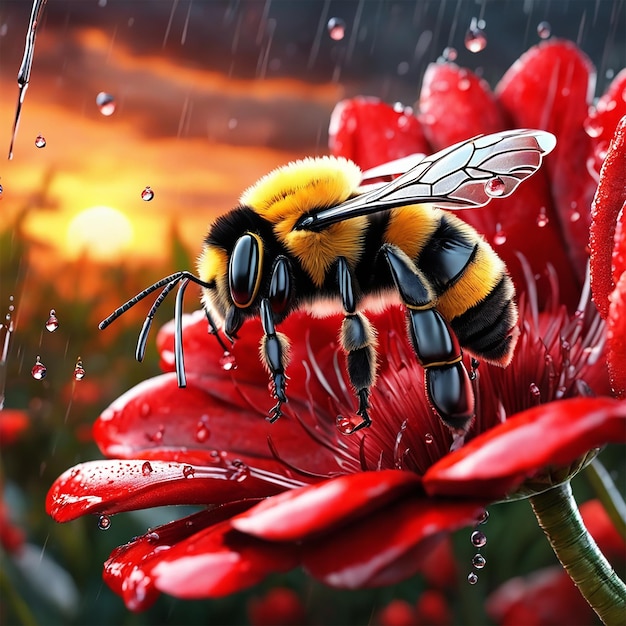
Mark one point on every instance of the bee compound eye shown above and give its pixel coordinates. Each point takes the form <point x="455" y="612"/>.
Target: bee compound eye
<point x="244" y="269"/>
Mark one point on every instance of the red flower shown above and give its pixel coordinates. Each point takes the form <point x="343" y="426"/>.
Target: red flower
<point x="366" y="509"/>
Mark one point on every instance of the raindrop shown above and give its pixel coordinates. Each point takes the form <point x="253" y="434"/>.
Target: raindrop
<point x="449" y="54"/>
<point x="227" y="362"/>
<point x="500" y="236"/>
<point x="147" y="194"/>
<point x="479" y="561"/>
<point x="40" y="141"/>
<point x="544" y="30"/>
<point x="104" y="522"/>
<point x="475" y="38"/>
<point x="472" y="578"/>
<point x="53" y="323"/>
<point x="478" y="539"/>
<point x="428" y="438"/>
<point x="146" y="468"/>
<point x="106" y="103"/>
<point x="79" y="370"/>
<point x="188" y="471"/>
<point x="542" y="218"/>
<point x="336" y="28"/>
<point x="495" y="187"/>
<point x="39" y="370"/>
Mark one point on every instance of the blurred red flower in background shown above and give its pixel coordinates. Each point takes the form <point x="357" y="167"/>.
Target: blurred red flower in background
<point x="370" y="508"/>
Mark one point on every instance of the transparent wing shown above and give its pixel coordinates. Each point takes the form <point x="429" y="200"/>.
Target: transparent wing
<point x="465" y="175"/>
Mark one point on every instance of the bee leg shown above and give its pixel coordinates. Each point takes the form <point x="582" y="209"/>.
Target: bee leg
<point x="448" y="384"/>
<point x="274" y="348"/>
<point x="358" y="340"/>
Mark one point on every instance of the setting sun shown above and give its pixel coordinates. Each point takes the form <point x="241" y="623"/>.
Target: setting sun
<point x="101" y="232"/>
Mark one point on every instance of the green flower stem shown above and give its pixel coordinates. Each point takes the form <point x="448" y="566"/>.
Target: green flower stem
<point x="579" y="554"/>
<point x="608" y="494"/>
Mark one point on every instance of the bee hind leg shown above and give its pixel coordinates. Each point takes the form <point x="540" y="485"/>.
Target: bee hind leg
<point x="358" y="340"/>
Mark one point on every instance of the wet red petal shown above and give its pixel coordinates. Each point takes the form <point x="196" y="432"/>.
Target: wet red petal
<point x="113" y="486"/>
<point x="387" y="546"/>
<point x="455" y="105"/>
<point x="370" y="132"/>
<point x="616" y="338"/>
<point x="609" y="200"/>
<point x="297" y="514"/>
<point x="12" y="423"/>
<point x="496" y="462"/>
<point x="550" y="88"/>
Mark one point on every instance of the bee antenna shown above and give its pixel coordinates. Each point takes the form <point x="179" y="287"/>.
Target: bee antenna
<point x="179" y="358"/>
<point x="215" y="331"/>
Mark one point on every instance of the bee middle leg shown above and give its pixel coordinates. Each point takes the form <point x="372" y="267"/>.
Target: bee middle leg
<point x="448" y="384"/>
<point x="358" y="340"/>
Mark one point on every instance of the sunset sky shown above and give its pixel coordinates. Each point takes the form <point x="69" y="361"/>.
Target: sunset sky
<point x="210" y="95"/>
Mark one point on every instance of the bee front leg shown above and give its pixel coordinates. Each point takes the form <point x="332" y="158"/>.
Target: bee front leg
<point x="358" y="340"/>
<point x="274" y="351"/>
<point x="448" y="384"/>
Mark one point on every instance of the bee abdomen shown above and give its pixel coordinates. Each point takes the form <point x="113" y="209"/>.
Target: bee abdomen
<point x="488" y="329"/>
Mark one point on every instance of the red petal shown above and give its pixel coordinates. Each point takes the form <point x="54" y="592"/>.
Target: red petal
<point x="279" y="607"/>
<point x="370" y="132"/>
<point x="387" y="546"/>
<point x="550" y="88"/>
<point x="12" y="423"/>
<point x="300" y="513"/>
<point x="114" y="486"/>
<point x="616" y="338"/>
<point x="608" y="202"/>
<point x="455" y="104"/>
<point x="493" y="464"/>
<point x="599" y="524"/>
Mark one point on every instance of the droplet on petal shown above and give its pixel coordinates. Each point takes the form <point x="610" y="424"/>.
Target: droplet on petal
<point x="500" y="236"/>
<point x="592" y="125"/>
<point x="104" y="522"/>
<point x="79" y="370"/>
<point x="478" y="539"/>
<point x="146" y="468"/>
<point x="495" y="187"/>
<point x="39" y="370"/>
<point x="428" y="438"/>
<point x="472" y="578"/>
<point x="188" y="471"/>
<point x="202" y="432"/>
<point x="53" y="323"/>
<point x="40" y="141"/>
<point x="542" y="218"/>
<point x="544" y="30"/>
<point x="347" y="425"/>
<point x="227" y="362"/>
<point x="475" y="38"/>
<point x="147" y="194"/>
<point x="106" y="103"/>
<point x="336" y="28"/>
<point x="241" y="471"/>
<point x="479" y="561"/>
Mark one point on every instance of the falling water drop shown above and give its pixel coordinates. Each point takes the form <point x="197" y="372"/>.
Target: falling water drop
<point x="472" y="578"/>
<point x="479" y="561"/>
<point x="146" y="468"/>
<point x="40" y="141"/>
<point x="336" y="28"/>
<point x="495" y="187"/>
<point x="39" y="370"/>
<point x="227" y="362"/>
<point x="106" y="103"/>
<point x="104" y="522"/>
<point x="53" y="323"/>
<point x="475" y="38"/>
<point x="478" y="539"/>
<point x="544" y="30"/>
<point x="79" y="370"/>
<point x="147" y="194"/>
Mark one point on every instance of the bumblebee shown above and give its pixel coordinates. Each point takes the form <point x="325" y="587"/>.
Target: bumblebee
<point x="318" y="234"/>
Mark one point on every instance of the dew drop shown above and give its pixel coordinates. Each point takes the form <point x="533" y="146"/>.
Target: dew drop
<point x="336" y="28"/>
<point x="544" y="30"/>
<point x="428" y="438"/>
<point x="40" y="141"/>
<point x="449" y="54"/>
<point x="39" y="370"/>
<point x="53" y="323"/>
<point x="542" y="218"/>
<point x="146" y="468"/>
<point x="478" y="539"/>
<point x="147" y="194"/>
<point x="227" y="362"/>
<point x="475" y="38"/>
<point x="104" y="522"/>
<point x="106" y="103"/>
<point x="79" y="370"/>
<point x="500" y="236"/>
<point x="479" y="561"/>
<point x="188" y="471"/>
<point x="495" y="187"/>
<point x="472" y="578"/>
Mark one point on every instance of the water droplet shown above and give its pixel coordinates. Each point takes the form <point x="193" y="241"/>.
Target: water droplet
<point x="106" y="103"/>
<point x="542" y="218"/>
<point x="242" y="471"/>
<point x="79" y="370"/>
<point x="188" y="471"/>
<point x="152" y="537"/>
<point x="202" y="432"/>
<point x="592" y="126"/>
<point x="478" y="539"/>
<point x="495" y="187"/>
<point x="484" y="517"/>
<point x="534" y="391"/>
<point x="53" y="323"/>
<point x="544" y="30"/>
<point x="428" y="438"/>
<point x="479" y="561"/>
<point x="449" y="54"/>
<point x="147" y="194"/>
<point x="336" y="28"/>
<point x="347" y="425"/>
<point x="500" y="236"/>
<point x="39" y="370"/>
<point x="40" y="141"/>
<point x="146" y="468"/>
<point x="104" y="522"/>
<point x="144" y="409"/>
<point x="227" y="361"/>
<point x="475" y="38"/>
<point x="472" y="578"/>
